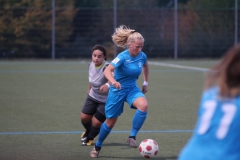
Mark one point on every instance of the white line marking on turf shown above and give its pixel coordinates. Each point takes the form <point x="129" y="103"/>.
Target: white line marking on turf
<point x="178" y="66"/>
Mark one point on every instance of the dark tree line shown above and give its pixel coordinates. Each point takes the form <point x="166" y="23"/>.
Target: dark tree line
<point x="205" y="28"/>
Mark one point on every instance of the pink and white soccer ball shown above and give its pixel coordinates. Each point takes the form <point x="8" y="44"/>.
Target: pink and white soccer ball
<point x="148" y="148"/>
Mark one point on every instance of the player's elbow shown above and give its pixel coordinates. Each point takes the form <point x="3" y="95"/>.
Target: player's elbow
<point x="108" y="71"/>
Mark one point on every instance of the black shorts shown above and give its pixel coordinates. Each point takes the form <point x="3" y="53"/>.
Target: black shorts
<point x="91" y="106"/>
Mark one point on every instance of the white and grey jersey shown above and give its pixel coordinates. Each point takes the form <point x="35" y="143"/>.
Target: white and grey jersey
<point x="97" y="79"/>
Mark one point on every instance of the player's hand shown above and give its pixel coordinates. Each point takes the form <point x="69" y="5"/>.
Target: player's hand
<point x="104" y="89"/>
<point x="144" y="89"/>
<point x="116" y="85"/>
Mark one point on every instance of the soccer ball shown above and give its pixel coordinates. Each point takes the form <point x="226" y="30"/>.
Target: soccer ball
<point x="148" y="148"/>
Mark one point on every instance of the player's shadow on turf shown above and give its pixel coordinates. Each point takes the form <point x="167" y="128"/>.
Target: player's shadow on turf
<point x="126" y="146"/>
<point x="116" y="144"/>
<point x="155" y="158"/>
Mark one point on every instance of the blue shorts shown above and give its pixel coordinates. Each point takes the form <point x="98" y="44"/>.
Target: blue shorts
<point x="115" y="102"/>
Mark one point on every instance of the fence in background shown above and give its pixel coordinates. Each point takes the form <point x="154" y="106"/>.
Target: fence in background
<point x="169" y="32"/>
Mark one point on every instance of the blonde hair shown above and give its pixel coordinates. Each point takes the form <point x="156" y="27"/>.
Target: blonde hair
<point x="124" y="36"/>
<point x="226" y="74"/>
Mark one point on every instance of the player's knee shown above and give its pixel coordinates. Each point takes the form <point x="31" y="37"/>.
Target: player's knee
<point x="97" y="124"/>
<point x="143" y="107"/>
<point x="111" y="122"/>
<point x="85" y="118"/>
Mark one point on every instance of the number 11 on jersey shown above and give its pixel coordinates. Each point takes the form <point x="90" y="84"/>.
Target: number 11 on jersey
<point x="228" y="110"/>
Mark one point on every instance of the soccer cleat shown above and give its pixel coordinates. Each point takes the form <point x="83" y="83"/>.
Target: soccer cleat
<point x="94" y="153"/>
<point x="83" y="136"/>
<point x="132" y="142"/>
<point x="83" y="139"/>
<point x="87" y="142"/>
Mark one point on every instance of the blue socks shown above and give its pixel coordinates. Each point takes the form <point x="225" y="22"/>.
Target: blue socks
<point x="137" y="122"/>
<point x="104" y="132"/>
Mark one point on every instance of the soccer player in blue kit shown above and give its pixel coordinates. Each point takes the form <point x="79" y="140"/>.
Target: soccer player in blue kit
<point x="127" y="67"/>
<point x="217" y="134"/>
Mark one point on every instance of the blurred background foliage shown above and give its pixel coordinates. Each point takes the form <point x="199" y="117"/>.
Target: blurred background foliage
<point x="205" y="27"/>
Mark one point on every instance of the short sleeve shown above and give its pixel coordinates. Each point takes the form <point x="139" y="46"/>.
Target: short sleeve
<point x="116" y="62"/>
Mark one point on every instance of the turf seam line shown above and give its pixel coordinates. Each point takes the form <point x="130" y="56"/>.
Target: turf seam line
<point x="79" y="132"/>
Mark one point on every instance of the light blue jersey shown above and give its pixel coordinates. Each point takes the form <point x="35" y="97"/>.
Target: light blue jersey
<point x="127" y="71"/>
<point x="217" y="133"/>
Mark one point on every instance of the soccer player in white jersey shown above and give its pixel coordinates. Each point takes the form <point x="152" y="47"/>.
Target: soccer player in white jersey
<point x="217" y="134"/>
<point x="127" y="67"/>
<point x="93" y="112"/>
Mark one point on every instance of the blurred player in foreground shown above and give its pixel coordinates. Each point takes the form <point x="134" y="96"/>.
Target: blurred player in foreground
<point x="93" y="112"/>
<point x="217" y="133"/>
<point x="127" y="67"/>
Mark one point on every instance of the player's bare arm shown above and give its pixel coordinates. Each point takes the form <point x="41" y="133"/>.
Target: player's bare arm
<point x="108" y="74"/>
<point x="145" y="78"/>
<point x="104" y="88"/>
